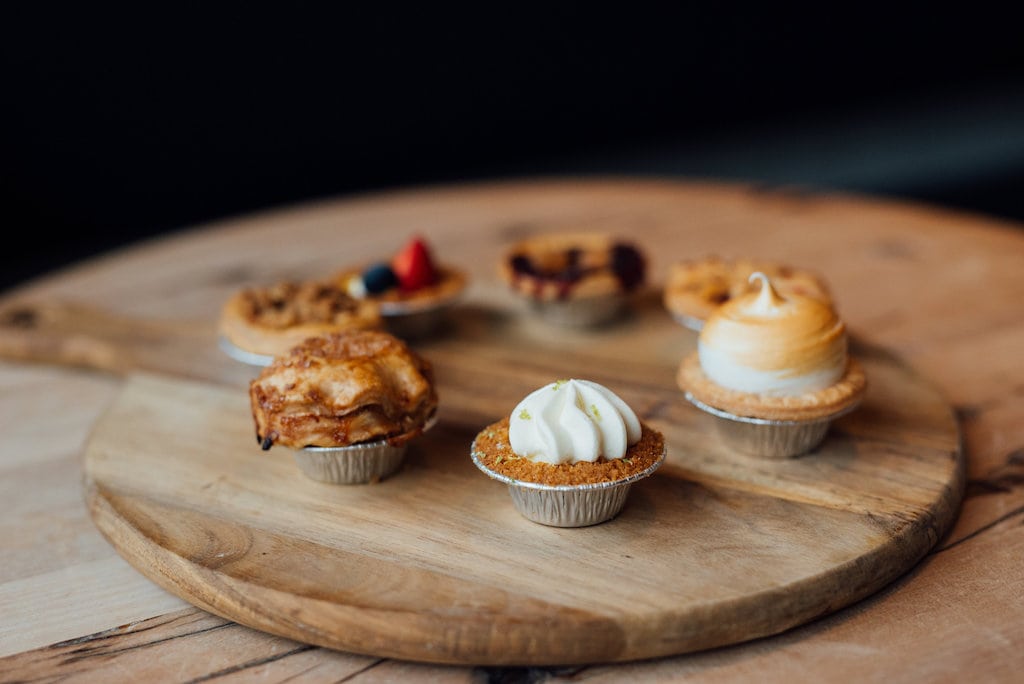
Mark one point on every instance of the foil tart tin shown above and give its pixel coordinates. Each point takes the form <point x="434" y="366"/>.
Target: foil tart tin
<point x="691" y="322"/>
<point x="354" y="464"/>
<point x="415" y="321"/>
<point x="583" y="312"/>
<point x="764" y="438"/>
<point x="568" y="505"/>
<point x="243" y="355"/>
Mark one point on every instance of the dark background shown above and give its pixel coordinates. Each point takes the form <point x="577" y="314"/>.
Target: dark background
<point x="121" y="125"/>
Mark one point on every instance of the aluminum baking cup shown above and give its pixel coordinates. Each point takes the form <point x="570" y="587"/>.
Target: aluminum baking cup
<point x="769" y="438"/>
<point x="691" y="322"/>
<point x="243" y="355"/>
<point x="415" y="321"/>
<point x="356" y="463"/>
<point x="568" y="505"/>
<point x="582" y="312"/>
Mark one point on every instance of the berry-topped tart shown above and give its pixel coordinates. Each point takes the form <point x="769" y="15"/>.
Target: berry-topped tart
<point x="411" y="288"/>
<point x="575" y="279"/>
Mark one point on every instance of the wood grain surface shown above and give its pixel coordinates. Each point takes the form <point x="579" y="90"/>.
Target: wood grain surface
<point x="435" y="565"/>
<point x="940" y="290"/>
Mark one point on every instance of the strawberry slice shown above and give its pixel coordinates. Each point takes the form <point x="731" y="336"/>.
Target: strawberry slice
<point x="414" y="265"/>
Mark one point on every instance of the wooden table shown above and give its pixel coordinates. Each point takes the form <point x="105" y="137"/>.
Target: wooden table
<point x="942" y="290"/>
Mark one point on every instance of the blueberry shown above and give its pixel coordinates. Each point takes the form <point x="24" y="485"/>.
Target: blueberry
<point x="379" y="278"/>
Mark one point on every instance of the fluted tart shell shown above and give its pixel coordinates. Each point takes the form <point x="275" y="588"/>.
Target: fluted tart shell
<point x="846" y="393"/>
<point x="271" y="320"/>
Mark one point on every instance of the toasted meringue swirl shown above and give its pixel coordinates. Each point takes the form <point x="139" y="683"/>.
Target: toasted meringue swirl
<point x="571" y="421"/>
<point x="768" y="344"/>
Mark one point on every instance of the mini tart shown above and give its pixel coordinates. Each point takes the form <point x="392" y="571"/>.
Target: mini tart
<point x="271" y="320"/>
<point x="493" y="449"/>
<point x="450" y="283"/>
<point x="342" y="389"/>
<point x="572" y="265"/>
<point x="695" y="288"/>
<point x="837" y="398"/>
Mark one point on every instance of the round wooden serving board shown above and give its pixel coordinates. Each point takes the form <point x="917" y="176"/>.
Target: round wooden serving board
<point x="434" y="564"/>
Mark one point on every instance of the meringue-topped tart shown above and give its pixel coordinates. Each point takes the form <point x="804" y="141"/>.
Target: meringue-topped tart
<point x="771" y="356"/>
<point x="772" y="345"/>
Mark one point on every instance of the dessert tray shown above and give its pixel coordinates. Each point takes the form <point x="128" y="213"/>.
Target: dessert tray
<point x="434" y="564"/>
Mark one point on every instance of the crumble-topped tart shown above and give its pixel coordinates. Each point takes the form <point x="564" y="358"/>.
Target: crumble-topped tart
<point x="270" y="320"/>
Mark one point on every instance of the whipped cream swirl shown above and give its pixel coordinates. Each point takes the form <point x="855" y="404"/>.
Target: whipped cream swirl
<point x="571" y="421"/>
<point x="772" y="345"/>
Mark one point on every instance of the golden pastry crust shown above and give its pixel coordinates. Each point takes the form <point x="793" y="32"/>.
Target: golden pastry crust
<point x="271" y="320"/>
<point x="563" y="266"/>
<point x="450" y="283"/>
<point x="341" y="389"/>
<point x="813" y="405"/>
<point x="695" y="288"/>
<point x="494" y="450"/>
